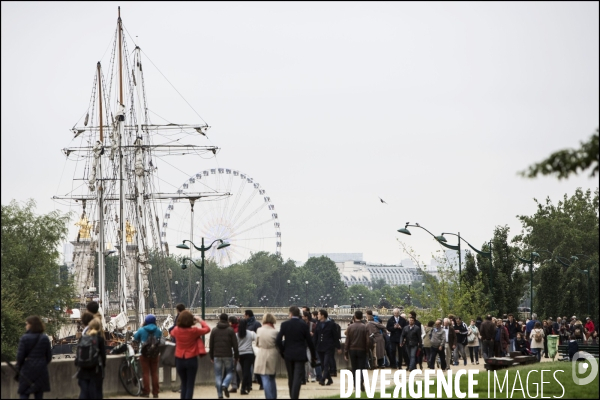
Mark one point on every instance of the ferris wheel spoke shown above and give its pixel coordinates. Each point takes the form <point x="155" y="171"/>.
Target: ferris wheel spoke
<point x="252" y="214"/>
<point x="233" y="221"/>
<point x="252" y="227"/>
<point x="238" y="195"/>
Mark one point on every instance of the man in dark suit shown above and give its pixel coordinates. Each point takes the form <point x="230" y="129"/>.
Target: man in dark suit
<point x="394" y="326"/>
<point x="326" y="339"/>
<point x="297" y="338"/>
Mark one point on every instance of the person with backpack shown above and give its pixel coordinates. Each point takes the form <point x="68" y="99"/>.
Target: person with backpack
<point x="537" y="340"/>
<point x="90" y="358"/>
<point x="149" y="337"/>
<point x="33" y="356"/>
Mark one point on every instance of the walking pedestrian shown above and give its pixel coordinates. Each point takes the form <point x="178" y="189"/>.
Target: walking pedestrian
<point x="394" y="326"/>
<point x="222" y="342"/>
<point x="487" y="332"/>
<point x="253" y="326"/>
<point x="513" y="328"/>
<point x="265" y="364"/>
<point x="437" y="336"/>
<point x="375" y="331"/>
<point x="325" y="343"/>
<point x="537" y="340"/>
<point x="33" y="356"/>
<point x="427" y="341"/>
<point x="309" y="372"/>
<point x="356" y="346"/>
<point x="237" y="368"/>
<point x="245" y="339"/>
<point x="450" y="341"/>
<point x="473" y="341"/>
<point x="297" y="340"/>
<point x="90" y="377"/>
<point x="411" y="338"/>
<point x="460" y="328"/>
<point x="149" y="364"/>
<point x="187" y="349"/>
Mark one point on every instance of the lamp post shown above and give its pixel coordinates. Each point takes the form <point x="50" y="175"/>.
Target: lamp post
<point x="263" y="301"/>
<point x="306" y="293"/>
<point x="360" y="297"/>
<point x="287" y="292"/>
<point x="202" y="249"/>
<point x="530" y="262"/>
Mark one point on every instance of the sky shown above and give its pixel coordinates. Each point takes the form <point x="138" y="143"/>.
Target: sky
<point x="433" y="107"/>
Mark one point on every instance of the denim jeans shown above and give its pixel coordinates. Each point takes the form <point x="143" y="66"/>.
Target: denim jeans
<point x="460" y="348"/>
<point x="474" y="349"/>
<point x="269" y="386"/>
<point x="537" y="353"/>
<point x="412" y="354"/>
<point x="326" y="357"/>
<point x="223" y="366"/>
<point x="186" y="369"/>
<point x="512" y="344"/>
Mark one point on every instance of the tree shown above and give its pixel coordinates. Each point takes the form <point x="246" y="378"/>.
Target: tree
<point x="566" y="162"/>
<point x="562" y="230"/>
<point x="470" y="273"/>
<point x="31" y="279"/>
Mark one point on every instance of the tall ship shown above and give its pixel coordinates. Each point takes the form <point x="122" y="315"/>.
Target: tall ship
<point x="121" y="202"/>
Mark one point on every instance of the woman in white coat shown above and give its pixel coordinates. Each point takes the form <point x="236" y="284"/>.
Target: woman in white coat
<point x="265" y="364"/>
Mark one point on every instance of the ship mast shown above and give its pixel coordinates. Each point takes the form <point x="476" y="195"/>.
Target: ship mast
<point x="104" y="302"/>
<point x="122" y="228"/>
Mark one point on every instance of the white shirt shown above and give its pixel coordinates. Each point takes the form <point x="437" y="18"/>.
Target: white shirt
<point x="446" y="330"/>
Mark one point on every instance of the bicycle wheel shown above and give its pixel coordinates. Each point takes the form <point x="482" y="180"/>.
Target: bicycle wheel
<point x="129" y="379"/>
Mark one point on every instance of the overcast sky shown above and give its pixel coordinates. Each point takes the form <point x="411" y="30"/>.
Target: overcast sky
<point x="433" y="107"/>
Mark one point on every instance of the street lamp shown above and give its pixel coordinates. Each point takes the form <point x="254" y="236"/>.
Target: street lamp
<point x="306" y="293"/>
<point x="201" y="249"/>
<point x="530" y="262"/>
<point x="481" y="253"/>
<point x="423" y="286"/>
<point x="360" y="297"/>
<point x="287" y="292"/>
<point x="263" y="301"/>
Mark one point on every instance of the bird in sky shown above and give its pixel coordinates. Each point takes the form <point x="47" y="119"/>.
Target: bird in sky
<point x="382" y="200"/>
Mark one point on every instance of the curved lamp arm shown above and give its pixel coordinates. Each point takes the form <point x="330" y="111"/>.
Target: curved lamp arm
<point x="487" y="254"/>
<point x="440" y="239"/>
<point x="530" y="261"/>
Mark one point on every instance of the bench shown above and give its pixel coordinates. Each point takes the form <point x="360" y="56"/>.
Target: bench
<point x="563" y="350"/>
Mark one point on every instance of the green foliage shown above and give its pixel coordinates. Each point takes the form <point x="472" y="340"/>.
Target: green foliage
<point x="567" y="162"/>
<point x="558" y="232"/>
<point x="31" y="275"/>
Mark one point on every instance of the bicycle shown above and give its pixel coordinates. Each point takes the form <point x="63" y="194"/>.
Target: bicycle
<point x="130" y="370"/>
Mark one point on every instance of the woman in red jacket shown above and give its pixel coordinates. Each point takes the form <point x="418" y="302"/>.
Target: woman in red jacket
<point x="188" y="346"/>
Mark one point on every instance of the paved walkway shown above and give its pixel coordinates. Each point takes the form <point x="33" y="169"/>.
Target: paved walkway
<point x="311" y="390"/>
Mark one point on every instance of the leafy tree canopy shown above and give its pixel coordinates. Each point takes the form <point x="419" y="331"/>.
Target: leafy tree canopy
<point x="31" y="273"/>
<point x="567" y="162"/>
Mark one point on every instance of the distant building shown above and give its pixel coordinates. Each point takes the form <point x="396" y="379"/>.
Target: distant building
<point x="339" y="257"/>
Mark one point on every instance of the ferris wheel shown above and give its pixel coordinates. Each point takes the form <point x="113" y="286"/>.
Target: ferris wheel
<point x="246" y="219"/>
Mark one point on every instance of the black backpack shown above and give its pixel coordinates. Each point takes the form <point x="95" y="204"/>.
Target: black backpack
<point x="150" y="347"/>
<point x="88" y="352"/>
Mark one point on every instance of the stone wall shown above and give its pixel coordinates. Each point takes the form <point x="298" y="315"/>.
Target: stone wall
<point x="65" y="386"/>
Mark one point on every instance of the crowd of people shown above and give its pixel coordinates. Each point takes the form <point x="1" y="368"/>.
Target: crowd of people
<point x="307" y="342"/>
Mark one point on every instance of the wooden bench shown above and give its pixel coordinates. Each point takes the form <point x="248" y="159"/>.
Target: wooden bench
<point x="563" y="350"/>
